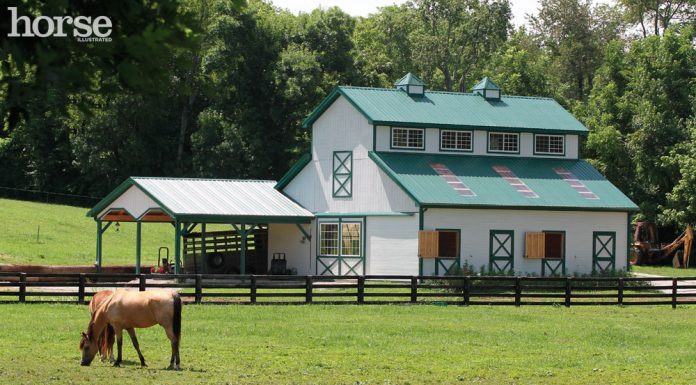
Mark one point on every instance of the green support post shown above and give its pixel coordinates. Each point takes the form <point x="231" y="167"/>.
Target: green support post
<point x="242" y="255"/>
<point x="99" y="246"/>
<point x="138" y="236"/>
<point x="203" y="249"/>
<point x="177" y="248"/>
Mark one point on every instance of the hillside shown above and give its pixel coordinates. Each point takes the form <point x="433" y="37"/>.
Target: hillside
<point x="67" y="237"/>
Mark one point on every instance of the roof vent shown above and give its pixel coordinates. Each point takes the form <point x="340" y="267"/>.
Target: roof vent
<point x="411" y="84"/>
<point x="487" y="89"/>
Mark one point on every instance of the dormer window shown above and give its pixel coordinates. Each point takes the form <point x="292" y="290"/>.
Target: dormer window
<point x="411" y="84"/>
<point x="487" y="89"/>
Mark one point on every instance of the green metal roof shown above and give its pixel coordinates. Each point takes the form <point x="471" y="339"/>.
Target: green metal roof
<point x="409" y="79"/>
<point x="393" y="107"/>
<point x="415" y="173"/>
<point x="485" y="84"/>
<point x="214" y="200"/>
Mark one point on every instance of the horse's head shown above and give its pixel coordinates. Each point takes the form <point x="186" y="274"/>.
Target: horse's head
<point x="89" y="349"/>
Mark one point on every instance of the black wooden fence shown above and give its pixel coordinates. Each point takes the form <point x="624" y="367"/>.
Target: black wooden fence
<point x="370" y="289"/>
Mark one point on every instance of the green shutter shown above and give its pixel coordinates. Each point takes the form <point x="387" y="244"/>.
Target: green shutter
<point x="342" y="174"/>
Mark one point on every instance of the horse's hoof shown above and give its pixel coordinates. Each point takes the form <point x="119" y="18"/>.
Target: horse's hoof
<point x="117" y="364"/>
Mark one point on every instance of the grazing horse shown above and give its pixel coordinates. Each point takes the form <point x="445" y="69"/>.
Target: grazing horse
<point x="105" y="341"/>
<point x="134" y="309"/>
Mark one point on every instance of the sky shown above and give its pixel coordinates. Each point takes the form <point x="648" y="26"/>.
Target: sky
<point x="364" y="7"/>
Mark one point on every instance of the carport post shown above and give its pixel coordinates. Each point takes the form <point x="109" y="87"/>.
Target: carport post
<point x="242" y="256"/>
<point x="99" y="246"/>
<point x="203" y="250"/>
<point x="177" y="247"/>
<point x="138" y="233"/>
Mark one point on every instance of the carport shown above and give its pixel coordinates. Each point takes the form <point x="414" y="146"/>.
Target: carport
<point x="186" y="203"/>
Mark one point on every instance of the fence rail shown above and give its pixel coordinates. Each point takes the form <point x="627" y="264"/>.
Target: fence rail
<point x="369" y="289"/>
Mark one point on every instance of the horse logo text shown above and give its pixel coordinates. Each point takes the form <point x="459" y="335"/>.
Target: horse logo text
<point x="84" y="28"/>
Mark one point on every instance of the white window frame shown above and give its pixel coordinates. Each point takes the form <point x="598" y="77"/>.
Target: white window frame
<point x="549" y="136"/>
<point x="456" y="133"/>
<point x="339" y="239"/>
<point x="516" y="135"/>
<point x="408" y="130"/>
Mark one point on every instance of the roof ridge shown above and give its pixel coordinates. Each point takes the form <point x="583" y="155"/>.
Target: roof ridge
<point x="447" y="92"/>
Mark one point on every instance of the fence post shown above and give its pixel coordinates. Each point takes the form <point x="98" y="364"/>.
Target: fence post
<point x="143" y="283"/>
<point x="518" y="291"/>
<point x="361" y="290"/>
<point x="22" y="287"/>
<point x="674" y="293"/>
<point x="253" y="289"/>
<point x="199" y="288"/>
<point x="414" y="289"/>
<point x="621" y="291"/>
<point x="568" y="285"/>
<point x="81" y="290"/>
<point x="308" y="289"/>
<point x="467" y="290"/>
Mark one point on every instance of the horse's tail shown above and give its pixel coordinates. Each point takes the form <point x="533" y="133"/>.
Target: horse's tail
<point x="176" y="322"/>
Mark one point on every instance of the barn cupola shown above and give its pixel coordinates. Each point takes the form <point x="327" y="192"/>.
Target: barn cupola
<point x="487" y="89"/>
<point x="411" y="84"/>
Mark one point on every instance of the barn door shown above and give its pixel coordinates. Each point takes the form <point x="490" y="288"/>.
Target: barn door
<point x="341" y="249"/>
<point x="502" y="251"/>
<point x="603" y="251"/>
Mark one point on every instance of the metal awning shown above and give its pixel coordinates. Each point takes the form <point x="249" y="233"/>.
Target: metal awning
<point x="199" y="200"/>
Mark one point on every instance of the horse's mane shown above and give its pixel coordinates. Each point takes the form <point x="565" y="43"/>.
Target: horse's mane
<point x="90" y="329"/>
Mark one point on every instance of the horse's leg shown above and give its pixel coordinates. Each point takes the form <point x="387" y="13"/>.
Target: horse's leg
<point x="119" y="343"/>
<point x="174" y="362"/>
<point x="134" y="339"/>
<point x="110" y="342"/>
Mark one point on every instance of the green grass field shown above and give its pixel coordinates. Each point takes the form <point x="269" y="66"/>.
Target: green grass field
<point x="667" y="271"/>
<point x="367" y="345"/>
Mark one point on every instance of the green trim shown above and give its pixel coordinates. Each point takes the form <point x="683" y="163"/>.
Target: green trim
<point x="384" y="167"/>
<point x="104" y="203"/>
<point x="342" y="162"/>
<point x="546" y="263"/>
<point x="488" y="143"/>
<point x="629" y="244"/>
<point x="536" y="208"/>
<point x="147" y="211"/>
<point x="294" y="170"/>
<point x="421" y="217"/>
<point x="457" y="259"/>
<point x="453" y="149"/>
<point x="534" y="149"/>
<point x="364" y="214"/>
<point x="494" y="257"/>
<point x="177" y="247"/>
<point x="304" y="232"/>
<point x="327" y="102"/>
<point x="476" y="127"/>
<point x="374" y="137"/>
<point x="100" y="231"/>
<point x="604" y="246"/>
<point x="391" y="139"/>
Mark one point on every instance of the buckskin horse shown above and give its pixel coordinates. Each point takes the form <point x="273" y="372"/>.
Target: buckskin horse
<point x="105" y="341"/>
<point x="134" y="309"/>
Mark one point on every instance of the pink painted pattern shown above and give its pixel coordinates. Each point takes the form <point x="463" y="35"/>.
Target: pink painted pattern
<point x="452" y="180"/>
<point x="515" y="182"/>
<point x="575" y="183"/>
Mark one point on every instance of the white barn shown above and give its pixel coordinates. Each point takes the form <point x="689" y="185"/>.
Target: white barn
<point x="402" y="181"/>
<point x="409" y="181"/>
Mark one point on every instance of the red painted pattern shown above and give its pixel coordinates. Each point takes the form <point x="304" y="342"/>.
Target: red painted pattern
<point x="575" y="183"/>
<point x="515" y="182"/>
<point x="452" y="180"/>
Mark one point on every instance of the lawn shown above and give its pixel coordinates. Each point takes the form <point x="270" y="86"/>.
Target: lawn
<point x="667" y="271"/>
<point x="367" y="345"/>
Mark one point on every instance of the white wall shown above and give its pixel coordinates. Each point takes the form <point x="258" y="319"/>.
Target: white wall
<point x="475" y="225"/>
<point x="392" y="245"/>
<point x="480" y="147"/>
<point x="288" y="239"/>
<point x="134" y="201"/>
<point x="342" y="128"/>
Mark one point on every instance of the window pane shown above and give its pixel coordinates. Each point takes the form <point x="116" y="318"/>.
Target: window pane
<point x="350" y="239"/>
<point x="549" y="144"/>
<point x="503" y="142"/>
<point x="407" y="138"/>
<point x="455" y="140"/>
<point x="328" y="239"/>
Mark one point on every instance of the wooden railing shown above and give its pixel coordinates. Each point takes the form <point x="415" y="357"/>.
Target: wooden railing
<point x="371" y="289"/>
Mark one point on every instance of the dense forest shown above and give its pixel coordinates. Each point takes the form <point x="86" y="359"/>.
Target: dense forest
<point x="219" y="88"/>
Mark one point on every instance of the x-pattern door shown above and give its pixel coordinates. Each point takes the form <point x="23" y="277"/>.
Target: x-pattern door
<point x="603" y="251"/>
<point x="444" y="266"/>
<point x="502" y="251"/>
<point x="341" y="265"/>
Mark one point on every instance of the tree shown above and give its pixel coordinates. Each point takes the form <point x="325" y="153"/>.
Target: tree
<point x="655" y="16"/>
<point x="455" y="37"/>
